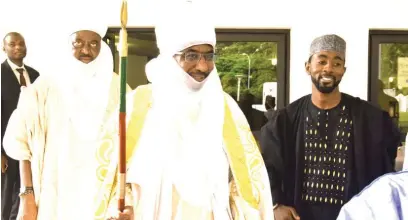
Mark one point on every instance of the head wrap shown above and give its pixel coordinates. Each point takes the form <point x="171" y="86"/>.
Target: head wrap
<point x="184" y="28"/>
<point x="87" y="84"/>
<point x="87" y="19"/>
<point x="176" y="31"/>
<point x="330" y="42"/>
<point x="100" y="29"/>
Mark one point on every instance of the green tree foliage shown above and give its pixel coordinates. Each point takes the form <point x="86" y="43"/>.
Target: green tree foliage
<point x="389" y="62"/>
<point x="230" y="63"/>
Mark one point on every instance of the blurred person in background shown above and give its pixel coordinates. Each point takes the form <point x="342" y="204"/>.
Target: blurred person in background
<point x="14" y="75"/>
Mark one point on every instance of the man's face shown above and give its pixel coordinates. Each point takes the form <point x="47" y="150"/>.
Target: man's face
<point x="15" y="47"/>
<point x="86" y="45"/>
<point x="326" y="69"/>
<point x="197" y="61"/>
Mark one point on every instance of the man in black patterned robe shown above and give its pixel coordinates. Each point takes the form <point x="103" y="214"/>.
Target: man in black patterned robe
<point x="326" y="147"/>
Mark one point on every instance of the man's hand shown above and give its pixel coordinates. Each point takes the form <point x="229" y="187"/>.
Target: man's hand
<point x="28" y="208"/>
<point x="4" y="163"/>
<point x="127" y="214"/>
<point x="285" y="213"/>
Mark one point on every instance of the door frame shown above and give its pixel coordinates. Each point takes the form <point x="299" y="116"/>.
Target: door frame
<point x="377" y="37"/>
<point x="281" y="38"/>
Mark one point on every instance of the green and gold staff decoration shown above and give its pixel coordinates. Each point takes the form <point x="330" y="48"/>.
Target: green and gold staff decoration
<point x="123" y="53"/>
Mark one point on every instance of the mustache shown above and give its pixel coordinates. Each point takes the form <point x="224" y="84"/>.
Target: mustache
<point x="85" y="56"/>
<point x="201" y="73"/>
<point x="329" y="76"/>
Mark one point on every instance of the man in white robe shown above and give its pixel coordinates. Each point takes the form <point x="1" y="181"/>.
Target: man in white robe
<point x="385" y="198"/>
<point x="190" y="151"/>
<point x="56" y="128"/>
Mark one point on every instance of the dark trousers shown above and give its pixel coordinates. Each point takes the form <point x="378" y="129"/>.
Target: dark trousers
<point x="10" y="188"/>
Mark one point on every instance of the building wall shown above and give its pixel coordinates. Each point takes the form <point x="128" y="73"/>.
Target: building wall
<point x="306" y="19"/>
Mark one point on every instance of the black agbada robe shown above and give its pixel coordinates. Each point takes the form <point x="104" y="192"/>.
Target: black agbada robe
<point x="295" y="155"/>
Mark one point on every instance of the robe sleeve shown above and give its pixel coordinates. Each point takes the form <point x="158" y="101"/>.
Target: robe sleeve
<point x="391" y="139"/>
<point x="116" y="81"/>
<point x="272" y="144"/>
<point x="382" y="199"/>
<point x="265" y="208"/>
<point x="25" y="129"/>
<point x="266" y="204"/>
<point x="113" y="133"/>
<point x="128" y="88"/>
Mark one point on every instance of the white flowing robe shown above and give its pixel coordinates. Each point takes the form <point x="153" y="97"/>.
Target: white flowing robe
<point x="61" y="150"/>
<point x="149" y="168"/>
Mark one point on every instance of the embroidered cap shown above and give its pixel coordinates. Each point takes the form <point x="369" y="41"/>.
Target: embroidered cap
<point x="330" y="42"/>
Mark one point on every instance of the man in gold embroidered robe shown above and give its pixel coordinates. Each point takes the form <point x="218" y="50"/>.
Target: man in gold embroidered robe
<point x="55" y="132"/>
<point x="191" y="154"/>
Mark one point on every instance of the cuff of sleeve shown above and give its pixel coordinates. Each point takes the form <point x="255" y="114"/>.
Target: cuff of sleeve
<point x="112" y="208"/>
<point x="128" y="195"/>
<point x="277" y="197"/>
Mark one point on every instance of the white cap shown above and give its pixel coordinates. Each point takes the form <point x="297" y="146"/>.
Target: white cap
<point x="180" y="25"/>
<point x="87" y="15"/>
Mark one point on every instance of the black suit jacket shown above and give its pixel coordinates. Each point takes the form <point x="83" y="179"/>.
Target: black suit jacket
<point x="10" y="93"/>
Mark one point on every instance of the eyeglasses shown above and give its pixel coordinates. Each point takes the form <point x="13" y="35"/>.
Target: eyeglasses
<point x="195" y="57"/>
<point x="78" y="44"/>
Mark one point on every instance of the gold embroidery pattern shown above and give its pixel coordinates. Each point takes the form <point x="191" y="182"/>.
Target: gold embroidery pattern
<point x="251" y="157"/>
<point x="325" y="167"/>
<point x="107" y="170"/>
<point x="103" y="155"/>
<point x="246" y="161"/>
<point x="233" y="205"/>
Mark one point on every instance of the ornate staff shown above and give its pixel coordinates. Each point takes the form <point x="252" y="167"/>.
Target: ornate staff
<point x="123" y="52"/>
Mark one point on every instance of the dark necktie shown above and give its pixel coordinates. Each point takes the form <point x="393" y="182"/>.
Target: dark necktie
<point x="22" y="79"/>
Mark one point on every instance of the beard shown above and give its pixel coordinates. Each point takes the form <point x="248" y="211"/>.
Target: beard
<point x="322" y="87"/>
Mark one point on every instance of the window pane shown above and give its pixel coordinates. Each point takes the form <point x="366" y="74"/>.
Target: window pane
<point x="393" y="87"/>
<point x="141" y="48"/>
<point x="248" y="73"/>
<point x="393" y="94"/>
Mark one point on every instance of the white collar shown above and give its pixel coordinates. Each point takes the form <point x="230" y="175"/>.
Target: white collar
<point x="14" y="66"/>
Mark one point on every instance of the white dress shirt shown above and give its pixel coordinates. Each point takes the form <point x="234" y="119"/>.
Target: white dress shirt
<point x="402" y="101"/>
<point x="14" y="67"/>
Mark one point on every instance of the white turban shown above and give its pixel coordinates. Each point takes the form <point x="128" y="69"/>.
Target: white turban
<point x="89" y="16"/>
<point x="183" y="28"/>
<point x="177" y="30"/>
<point x="98" y="28"/>
<point x="88" y="83"/>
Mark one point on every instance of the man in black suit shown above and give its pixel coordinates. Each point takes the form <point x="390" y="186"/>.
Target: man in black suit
<point x="14" y="75"/>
